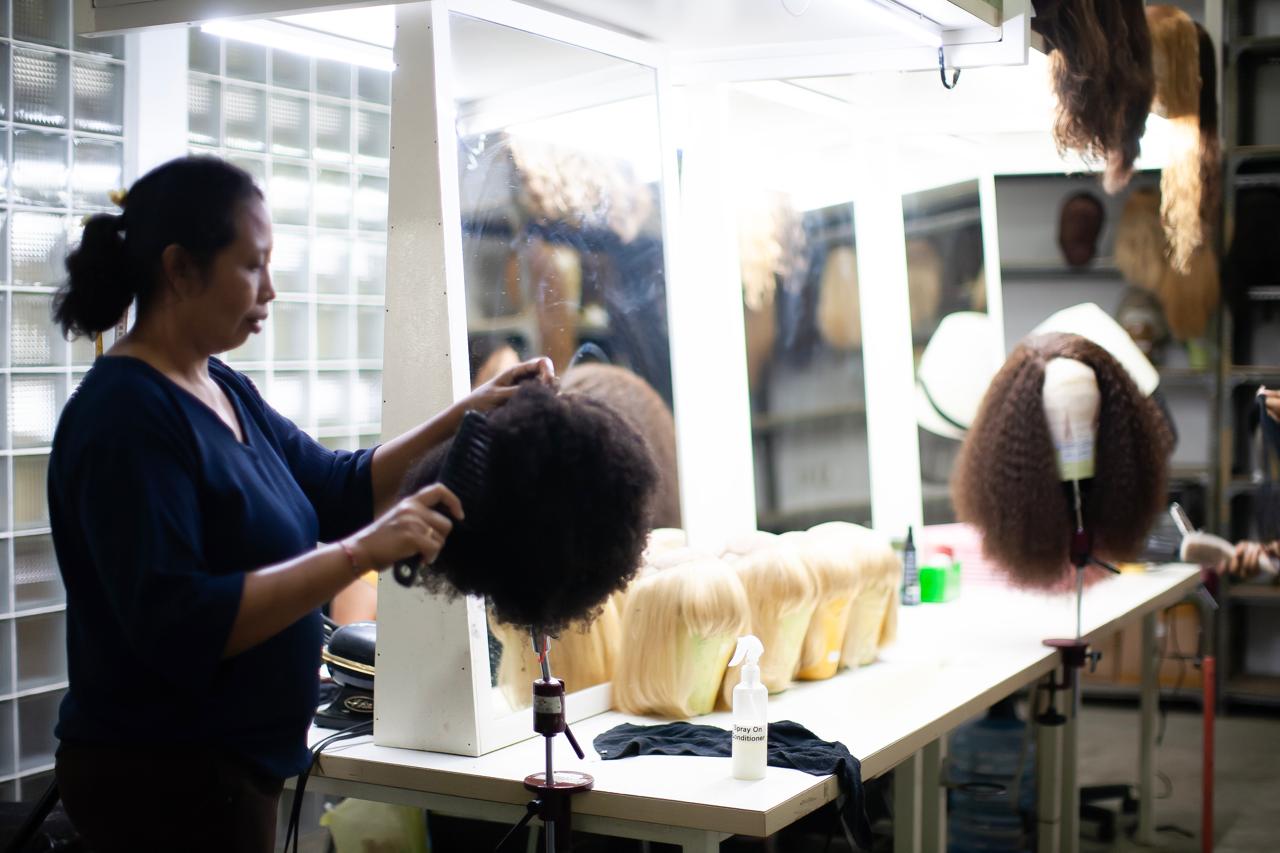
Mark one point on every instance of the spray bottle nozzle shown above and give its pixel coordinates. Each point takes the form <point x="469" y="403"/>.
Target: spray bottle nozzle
<point x="748" y="654"/>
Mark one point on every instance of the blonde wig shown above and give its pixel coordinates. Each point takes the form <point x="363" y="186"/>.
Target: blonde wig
<point x="679" y="627"/>
<point x="769" y="242"/>
<point x="1007" y="482"/>
<point x="664" y="539"/>
<point x="839" y="311"/>
<point x="582" y="655"/>
<point x="838" y="583"/>
<point x="1189" y="299"/>
<point x="746" y="543"/>
<point x="1175" y="57"/>
<point x="1140" y="254"/>
<point x="782" y="594"/>
<point x="556" y="270"/>
<point x="565" y="185"/>
<point x="873" y="619"/>
<point x="924" y="284"/>
<point x="635" y="399"/>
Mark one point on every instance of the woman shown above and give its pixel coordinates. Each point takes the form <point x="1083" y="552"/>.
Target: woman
<point x="185" y="515"/>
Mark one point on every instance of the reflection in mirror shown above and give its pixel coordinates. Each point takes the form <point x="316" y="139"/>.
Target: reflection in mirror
<point x="559" y="164"/>
<point x="791" y="166"/>
<point x="946" y="283"/>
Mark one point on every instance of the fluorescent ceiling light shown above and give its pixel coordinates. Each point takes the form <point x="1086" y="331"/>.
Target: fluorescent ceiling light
<point x="296" y="39"/>
<point x="907" y="21"/>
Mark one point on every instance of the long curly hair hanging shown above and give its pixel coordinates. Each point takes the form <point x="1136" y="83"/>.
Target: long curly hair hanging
<point x="1100" y="68"/>
<point x="1007" y="484"/>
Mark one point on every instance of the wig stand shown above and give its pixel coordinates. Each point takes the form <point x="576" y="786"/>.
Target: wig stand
<point x="1059" y="798"/>
<point x="553" y="791"/>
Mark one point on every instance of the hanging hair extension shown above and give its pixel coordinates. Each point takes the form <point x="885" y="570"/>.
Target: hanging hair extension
<point x="556" y="270"/>
<point x="873" y="619"/>
<point x="1190" y="299"/>
<point x="839" y="309"/>
<point x="636" y="400"/>
<point x="1140" y="241"/>
<point x="1006" y="482"/>
<point x="782" y="594"/>
<point x="679" y="627"/>
<point x="1101" y="72"/>
<point x="566" y="474"/>
<point x="838" y="583"/>
<point x="582" y="655"/>
<point x="1210" y="144"/>
<point x="1176" y="60"/>
<point x="924" y="284"/>
<point x="770" y="240"/>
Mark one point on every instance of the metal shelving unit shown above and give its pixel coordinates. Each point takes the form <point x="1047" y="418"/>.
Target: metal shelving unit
<point x="1251" y="149"/>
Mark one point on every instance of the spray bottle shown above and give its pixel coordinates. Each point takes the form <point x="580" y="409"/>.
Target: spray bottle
<point x="750" y="712"/>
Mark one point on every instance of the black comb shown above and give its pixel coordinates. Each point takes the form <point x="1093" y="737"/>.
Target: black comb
<point x="464" y="472"/>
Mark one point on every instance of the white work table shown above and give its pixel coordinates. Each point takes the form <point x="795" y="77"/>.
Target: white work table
<point x="950" y="663"/>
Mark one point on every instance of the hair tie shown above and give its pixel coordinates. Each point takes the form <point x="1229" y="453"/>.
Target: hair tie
<point x="118" y="197"/>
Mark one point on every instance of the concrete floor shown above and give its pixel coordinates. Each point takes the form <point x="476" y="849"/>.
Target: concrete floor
<point x="1247" y="813"/>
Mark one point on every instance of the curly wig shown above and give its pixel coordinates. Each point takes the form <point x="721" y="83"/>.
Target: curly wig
<point x="569" y="493"/>
<point x="1176" y="59"/>
<point x="1006" y="482"/>
<point x="1101" y="72"/>
<point x="635" y="399"/>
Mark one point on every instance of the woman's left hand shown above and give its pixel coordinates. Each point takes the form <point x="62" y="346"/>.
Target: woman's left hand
<point x="498" y="390"/>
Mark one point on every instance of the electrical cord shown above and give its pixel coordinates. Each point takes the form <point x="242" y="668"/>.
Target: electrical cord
<point x="295" y="813"/>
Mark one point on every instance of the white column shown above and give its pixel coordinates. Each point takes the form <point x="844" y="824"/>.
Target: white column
<point x="708" y="344"/>
<point x="155" y="99"/>
<point x="908" y="804"/>
<point x="426" y="695"/>
<point x="888" y="359"/>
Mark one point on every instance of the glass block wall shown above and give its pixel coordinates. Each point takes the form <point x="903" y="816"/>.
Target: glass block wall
<point x="61" y="152"/>
<point x="316" y="134"/>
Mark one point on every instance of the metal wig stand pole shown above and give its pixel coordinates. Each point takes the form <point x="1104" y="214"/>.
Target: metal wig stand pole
<point x="553" y="790"/>
<point x="1075" y="654"/>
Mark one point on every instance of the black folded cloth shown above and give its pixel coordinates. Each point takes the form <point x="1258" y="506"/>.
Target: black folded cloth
<point x="790" y="745"/>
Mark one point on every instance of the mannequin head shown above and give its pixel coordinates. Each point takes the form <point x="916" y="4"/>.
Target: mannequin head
<point x="1008" y="482"/>
<point x="782" y="594"/>
<point x="679" y="627"/>
<point x="1071" y="401"/>
<point x="1079" y="225"/>
<point x="571" y="484"/>
<point x="635" y="399"/>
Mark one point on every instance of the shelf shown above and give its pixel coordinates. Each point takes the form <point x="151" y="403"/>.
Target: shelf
<point x="1101" y="272"/>
<point x="1254" y="592"/>
<point x="851" y="509"/>
<point x="1249" y="44"/>
<point x="1186" y="376"/>
<point x="30" y="771"/>
<point x="1190" y="474"/>
<point x="1238" y="485"/>
<point x="1256" y="688"/>
<point x="35" y="691"/>
<point x="1253" y="152"/>
<point x="1263" y="294"/>
<point x="1242" y="374"/>
<point x="769" y="421"/>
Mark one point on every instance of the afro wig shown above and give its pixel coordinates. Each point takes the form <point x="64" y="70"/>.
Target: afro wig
<point x="1007" y="482"/>
<point x="569" y="491"/>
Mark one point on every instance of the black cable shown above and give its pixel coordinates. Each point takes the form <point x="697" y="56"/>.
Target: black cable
<point x="300" y="788"/>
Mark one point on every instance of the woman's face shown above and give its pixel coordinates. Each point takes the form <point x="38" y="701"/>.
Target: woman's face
<point x="231" y="302"/>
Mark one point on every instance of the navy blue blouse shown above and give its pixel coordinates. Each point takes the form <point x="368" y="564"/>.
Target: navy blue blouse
<point x="157" y="513"/>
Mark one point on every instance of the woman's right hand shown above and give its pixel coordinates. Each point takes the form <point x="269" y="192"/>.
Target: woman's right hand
<point x="418" y="524"/>
<point x="1250" y="558"/>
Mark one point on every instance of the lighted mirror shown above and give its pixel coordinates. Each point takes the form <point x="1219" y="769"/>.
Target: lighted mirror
<point x="790" y="162"/>
<point x="947" y="289"/>
<point x="559" y="168"/>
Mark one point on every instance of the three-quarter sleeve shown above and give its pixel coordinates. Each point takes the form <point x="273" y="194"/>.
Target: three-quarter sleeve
<point x="137" y="501"/>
